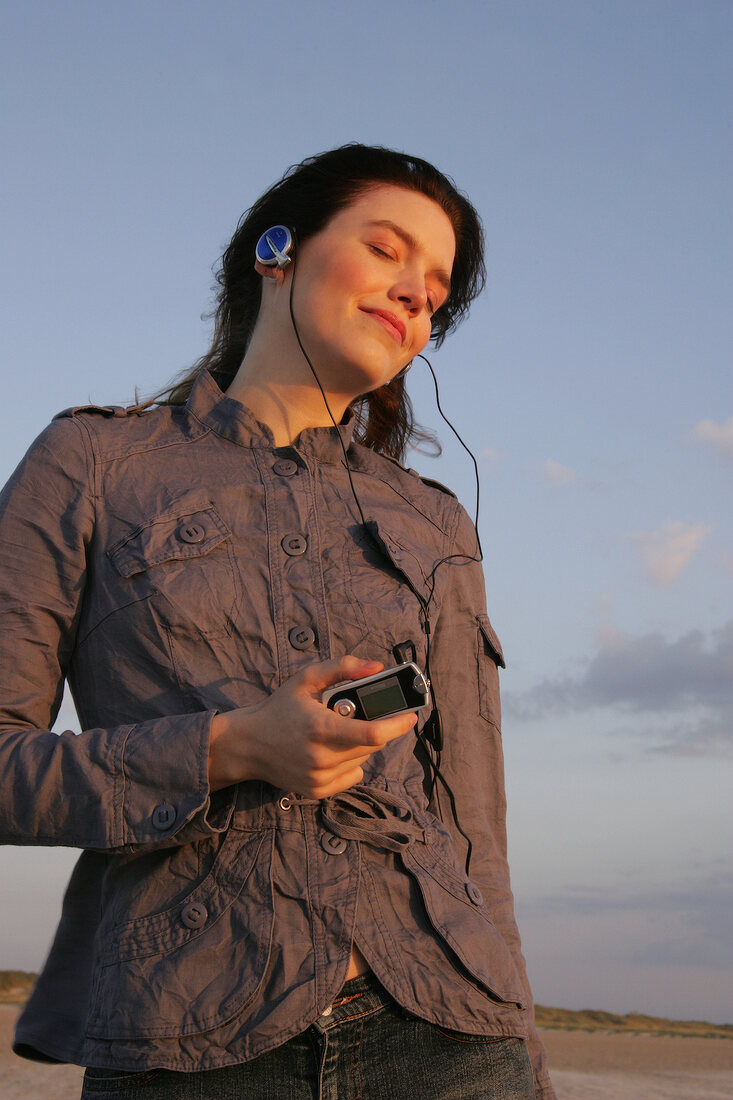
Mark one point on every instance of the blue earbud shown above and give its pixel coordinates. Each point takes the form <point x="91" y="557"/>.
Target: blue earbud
<point x="274" y="245"/>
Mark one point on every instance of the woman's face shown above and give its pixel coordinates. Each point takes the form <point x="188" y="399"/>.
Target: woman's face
<point x="367" y="285"/>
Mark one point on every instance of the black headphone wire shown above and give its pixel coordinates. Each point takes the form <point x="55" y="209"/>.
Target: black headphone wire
<point x="432" y="742"/>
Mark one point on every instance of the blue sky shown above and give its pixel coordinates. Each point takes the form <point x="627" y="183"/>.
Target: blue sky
<point x="593" y="381"/>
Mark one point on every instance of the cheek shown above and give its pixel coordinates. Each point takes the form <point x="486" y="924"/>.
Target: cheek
<point x="351" y="277"/>
<point x="331" y="283"/>
<point x="422" y="334"/>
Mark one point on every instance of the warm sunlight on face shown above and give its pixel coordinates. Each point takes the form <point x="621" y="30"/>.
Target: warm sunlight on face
<point x="368" y="284"/>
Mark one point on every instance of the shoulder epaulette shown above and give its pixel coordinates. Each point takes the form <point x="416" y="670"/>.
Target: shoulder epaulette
<point x="98" y="410"/>
<point x="414" y="473"/>
<point x="432" y="483"/>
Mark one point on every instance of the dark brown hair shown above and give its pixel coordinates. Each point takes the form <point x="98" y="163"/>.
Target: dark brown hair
<point x="305" y="199"/>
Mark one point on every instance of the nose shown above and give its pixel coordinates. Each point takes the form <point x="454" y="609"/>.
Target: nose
<point x="410" y="291"/>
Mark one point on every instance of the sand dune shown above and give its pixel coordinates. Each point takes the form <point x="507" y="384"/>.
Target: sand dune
<point x="585" y="1066"/>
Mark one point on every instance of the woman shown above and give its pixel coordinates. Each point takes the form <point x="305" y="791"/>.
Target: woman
<point x="273" y="900"/>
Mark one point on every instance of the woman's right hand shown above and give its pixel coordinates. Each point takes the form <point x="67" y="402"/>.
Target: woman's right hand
<point x="294" y="742"/>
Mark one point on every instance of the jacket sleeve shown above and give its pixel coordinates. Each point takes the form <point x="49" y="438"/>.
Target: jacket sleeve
<point x="464" y="662"/>
<point x="121" y="788"/>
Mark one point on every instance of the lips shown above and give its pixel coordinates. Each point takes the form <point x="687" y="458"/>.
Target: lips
<point x="390" y="322"/>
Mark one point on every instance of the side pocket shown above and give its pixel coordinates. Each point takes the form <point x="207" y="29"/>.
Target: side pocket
<point x="489" y="658"/>
<point x="195" y="965"/>
<point x="457" y="913"/>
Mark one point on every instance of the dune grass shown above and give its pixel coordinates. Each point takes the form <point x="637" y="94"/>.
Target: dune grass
<point x="634" y="1023"/>
<point x="15" y="986"/>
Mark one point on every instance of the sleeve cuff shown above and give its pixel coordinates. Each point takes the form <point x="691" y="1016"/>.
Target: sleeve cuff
<point x="165" y="795"/>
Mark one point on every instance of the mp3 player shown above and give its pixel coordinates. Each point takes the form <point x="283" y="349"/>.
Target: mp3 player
<point x="392" y="691"/>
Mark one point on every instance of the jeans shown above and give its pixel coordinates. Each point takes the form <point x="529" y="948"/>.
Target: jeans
<point x="365" y="1048"/>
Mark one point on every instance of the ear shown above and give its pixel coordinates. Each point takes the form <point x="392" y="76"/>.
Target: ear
<point x="275" y="273"/>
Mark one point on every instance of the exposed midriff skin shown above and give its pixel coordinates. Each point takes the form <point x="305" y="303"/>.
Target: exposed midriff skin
<point x="357" y="964"/>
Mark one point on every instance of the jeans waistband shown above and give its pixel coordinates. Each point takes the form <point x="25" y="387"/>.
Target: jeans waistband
<point x="359" y="997"/>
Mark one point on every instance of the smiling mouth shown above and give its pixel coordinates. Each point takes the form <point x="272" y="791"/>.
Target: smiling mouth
<point x="390" y="323"/>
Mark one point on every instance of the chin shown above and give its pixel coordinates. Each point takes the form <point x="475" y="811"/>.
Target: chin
<point x="371" y="385"/>
<point x="364" y="377"/>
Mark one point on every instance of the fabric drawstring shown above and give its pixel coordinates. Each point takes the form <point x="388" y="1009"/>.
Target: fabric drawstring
<point x="372" y="815"/>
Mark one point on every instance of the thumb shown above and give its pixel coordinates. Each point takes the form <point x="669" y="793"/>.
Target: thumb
<point x="317" y="677"/>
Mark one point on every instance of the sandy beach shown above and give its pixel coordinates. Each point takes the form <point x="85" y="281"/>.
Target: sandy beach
<point x="24" y="1080"/>
<point x="585" y="1066"/>
<point x="600" y="1066"/>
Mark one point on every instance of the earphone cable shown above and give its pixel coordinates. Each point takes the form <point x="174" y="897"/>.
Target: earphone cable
<point x="424" y="604"/>
<point x="323" y="395"/>
<point x="468" y="451"/>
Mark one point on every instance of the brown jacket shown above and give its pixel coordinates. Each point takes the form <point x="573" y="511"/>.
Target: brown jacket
<point x="147" y="557"/>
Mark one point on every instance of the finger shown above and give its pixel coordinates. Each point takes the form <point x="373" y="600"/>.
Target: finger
<point x="322" y="674"/>
<point x="336" y="782"/>
<point x="353" y="734"/>
<point x="384" y="730"/>
<point x="333" y="756"/>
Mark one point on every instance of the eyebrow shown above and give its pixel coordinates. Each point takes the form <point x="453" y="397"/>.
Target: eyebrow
<point x="412" y="242"/>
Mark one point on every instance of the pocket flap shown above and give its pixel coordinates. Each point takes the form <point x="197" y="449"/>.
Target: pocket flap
<point x="188" y="533"/>
<point x="413" y="562"/>
<point x="464" y="925"/>
<point x="491" y="639"/>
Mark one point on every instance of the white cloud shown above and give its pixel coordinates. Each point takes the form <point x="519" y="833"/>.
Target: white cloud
<point x="685" y="684"/>
<point x="667" y="551"/>
<point x="491" y="455"/>
<point x="718" y="436"/>
<point x="558" y="474"/>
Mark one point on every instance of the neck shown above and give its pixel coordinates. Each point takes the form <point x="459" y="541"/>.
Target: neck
<point x="275" y="382"/>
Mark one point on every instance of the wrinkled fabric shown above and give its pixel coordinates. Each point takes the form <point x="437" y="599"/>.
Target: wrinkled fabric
<point x="172" y="564"/>
<point x="365" y="1048"/>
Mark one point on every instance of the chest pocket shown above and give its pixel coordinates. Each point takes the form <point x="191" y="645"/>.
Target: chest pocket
<point x="182" y="561"/>
<point x="384" y="574"/>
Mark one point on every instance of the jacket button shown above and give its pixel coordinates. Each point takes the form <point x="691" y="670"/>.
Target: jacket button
<point x="294" y="545"/>
<point x="285" y="467"/>
<point x="285" y="803"/>
<point x="194" y="915"/>
<point x="474" y="893"/>
<point x="301" y="637"/>
<point x="334" y="845"/>
<point x="163" y="816"/>
<point x="191" y="532"/>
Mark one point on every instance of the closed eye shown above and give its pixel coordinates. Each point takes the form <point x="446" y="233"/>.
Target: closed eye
<point x="430" y="305"/>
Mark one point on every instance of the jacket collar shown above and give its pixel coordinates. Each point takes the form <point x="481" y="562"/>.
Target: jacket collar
<point x="234" y="421"/>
